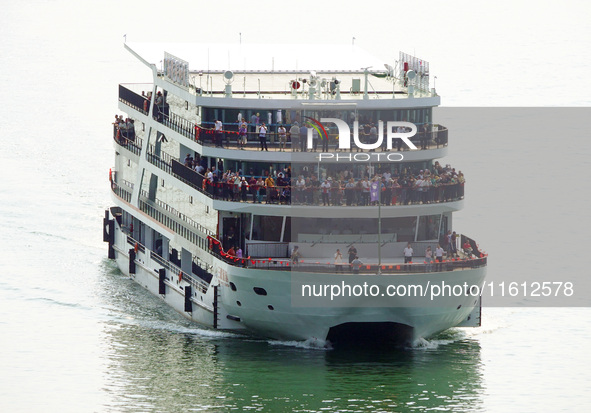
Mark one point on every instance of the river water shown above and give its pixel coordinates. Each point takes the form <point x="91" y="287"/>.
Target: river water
<point x="77" y="336"/>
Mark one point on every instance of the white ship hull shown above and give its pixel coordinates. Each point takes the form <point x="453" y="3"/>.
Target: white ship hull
<point x="404" y="324"/>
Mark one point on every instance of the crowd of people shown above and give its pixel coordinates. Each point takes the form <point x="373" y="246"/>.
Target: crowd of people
<point x="123" y="129"/>
<point x="261" y="133"/>
<point x="439" y="184"/>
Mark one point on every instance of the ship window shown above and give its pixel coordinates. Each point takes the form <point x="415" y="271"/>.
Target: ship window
<point x="232" y="286"/>
<point x="259" y="291"/>
<point x="239" y="303"/>
<point x="270" y="307"/>
<point x="428" y="227"/>
<point x="190" y="199"/>
<point x="358" y="230"/>
<point x="267" y="228"/>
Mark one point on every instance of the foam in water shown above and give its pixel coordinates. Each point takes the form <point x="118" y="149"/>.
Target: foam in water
<point x="449" y="337"/>
<point x="309" y="344"/>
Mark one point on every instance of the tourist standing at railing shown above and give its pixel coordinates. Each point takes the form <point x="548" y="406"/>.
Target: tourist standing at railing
<point x="424" y="135"/>
<point x="350" y="192"/>
<point x="325" y="188"/>
<point x="448" y="248"/>
<point x="242" y="134"/>
<point x="254" y="123"/>
<point x="282" y="132"/>
<point x="296" y="255"/>
<point x="404" y="190"/>
<point x="314" y="139"/>
<point x="115" y="126"/>
<point x="159" y="109"/>
<point x="365" y="188"/>
<point x="429" y="258"/>
<point x="352" y="252"/>
<point x="263" y="137"/>
<point x="218" y="133"/>
<point x="294" y="133"/>
<point x="386" y="191"/>
<point x="356" y="265"/>
<point x="236" y="188"/>
<point x="303" y="138"/>
<point x="438" y="256"/>
<point x="338" y="261"/>
<point x="461" y="182"/>
<point x="300" y="187"/>
<point x="325" y="143"/>
<point x="270" y="189"/>
<point x="252" y="188"/>
<point x="454" y="244"/>
<point x="408" y="252"/>
<point x="337" y="192"/>
<point x="260" y="189"/>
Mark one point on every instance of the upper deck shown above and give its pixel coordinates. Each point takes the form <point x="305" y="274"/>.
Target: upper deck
<point x="302" y="77"/>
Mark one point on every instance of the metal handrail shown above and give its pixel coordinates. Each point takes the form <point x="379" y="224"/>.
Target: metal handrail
<point x="285" y="264"/>
<point x="197" y="133"/>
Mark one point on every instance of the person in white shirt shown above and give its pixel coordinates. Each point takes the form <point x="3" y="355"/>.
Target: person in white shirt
<point x="282" y="132"/>
<point x="408" y="251"/>
<point x="325" y="188"/>
<point x="300" y="186"/>
<point x="429" y="259"/>
<point x="218" y="132"/>
<point x="263" y="137"/>
<point x="439" y="256"/>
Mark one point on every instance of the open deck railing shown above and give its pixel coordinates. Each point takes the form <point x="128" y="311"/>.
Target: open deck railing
<point x="204" y="135"/>
<point x="311" y="195"/>
<point x="478" y="259"/>
<point x="213" y="246"/>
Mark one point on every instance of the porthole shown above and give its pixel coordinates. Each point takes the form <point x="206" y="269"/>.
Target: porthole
<point x="460" y="306"/>
<point x="270" y="307"/>
<point x="232" y="286"/>
<point x="239" y="303"/>
<point x="259" y="291"/>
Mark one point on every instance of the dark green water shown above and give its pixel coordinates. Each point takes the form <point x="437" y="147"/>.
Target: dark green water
<point x="156" y="362"/>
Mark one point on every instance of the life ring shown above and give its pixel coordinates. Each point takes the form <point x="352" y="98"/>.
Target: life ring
<point x="136" y="247"/>
<point x="110" y="175"/>
<point x="180" y="276"/>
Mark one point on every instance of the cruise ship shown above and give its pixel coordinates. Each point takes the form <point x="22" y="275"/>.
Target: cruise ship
<point x="251" y="184"/>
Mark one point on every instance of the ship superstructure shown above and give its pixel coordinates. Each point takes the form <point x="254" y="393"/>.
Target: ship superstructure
<point x="233" y="178"/>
